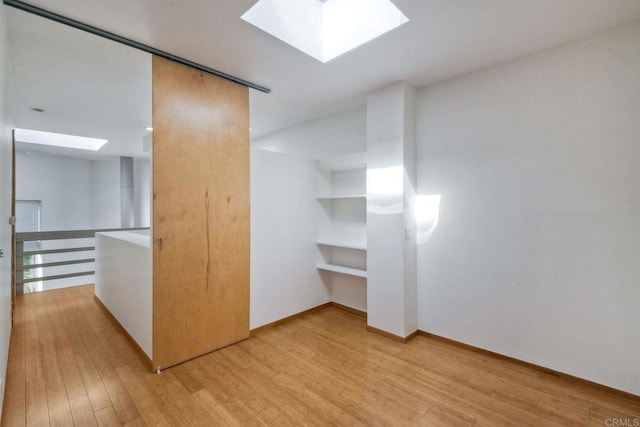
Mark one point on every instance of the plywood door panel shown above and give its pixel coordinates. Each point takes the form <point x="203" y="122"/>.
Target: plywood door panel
<point x="200" y="213"/>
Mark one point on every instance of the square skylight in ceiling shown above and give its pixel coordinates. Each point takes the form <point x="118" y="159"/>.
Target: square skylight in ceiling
<point x="59" y="140"/>
<point x="325" y="29"/>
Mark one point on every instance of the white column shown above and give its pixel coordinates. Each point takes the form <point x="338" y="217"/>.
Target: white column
<point x="391" y="245"/>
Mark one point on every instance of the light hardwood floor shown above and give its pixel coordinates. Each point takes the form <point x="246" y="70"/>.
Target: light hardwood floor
<point x="69" y="364"/>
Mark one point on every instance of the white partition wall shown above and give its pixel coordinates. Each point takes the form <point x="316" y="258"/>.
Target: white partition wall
<point x="284" y="280"/>
<point x="391" y="287"/>
<point x="124" y="284"/>
<point x="5" y="208"/>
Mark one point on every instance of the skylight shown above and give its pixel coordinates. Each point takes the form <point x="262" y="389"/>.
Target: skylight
<point x="59" y="140"/>
<point x="325" y="29"/>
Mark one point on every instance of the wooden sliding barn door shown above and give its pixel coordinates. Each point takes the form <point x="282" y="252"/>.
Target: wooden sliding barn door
<point x="200" y="213"/>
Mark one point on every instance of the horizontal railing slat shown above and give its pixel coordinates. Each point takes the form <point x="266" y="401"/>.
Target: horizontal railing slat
<point x="55" y="251"/>
<point x="54" y="264"/>
<point x="58" y="276"/>
<point x="68" y="234"/>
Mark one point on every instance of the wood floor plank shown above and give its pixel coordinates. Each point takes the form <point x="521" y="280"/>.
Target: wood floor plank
<point x="33" y="353"/>
<point x="94" y="387"/>
<point x="149" y="409"/>
<point x="122" y="402"/>
<point x="120" y="398"/>
<point x="186" y="409"/>
<point x="98" y="395"/>
<point x="37" y="409"/>
<point x="107" y="417"/>
<point x="138" y="422"/>
<point x="80" y="405"/>
<point x="15" y="389"/>
<point x="322" y="369"/>
<point x="221" y="416"/>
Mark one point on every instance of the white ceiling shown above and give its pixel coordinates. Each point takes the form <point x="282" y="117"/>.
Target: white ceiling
<point x="87" y="85"/>
<point x="95" y="88"/>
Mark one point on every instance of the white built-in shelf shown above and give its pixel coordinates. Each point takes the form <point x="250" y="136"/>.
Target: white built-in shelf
<point x="342" y="269"/>
<point x="345" y="245"/>
<point x="345" y="196"/>
<point x="342" y="188"/>
<point x="344" y="162"/>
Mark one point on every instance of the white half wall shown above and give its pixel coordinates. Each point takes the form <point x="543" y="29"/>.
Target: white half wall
<point x="284" y="280"/>
<point x="536" y="254"/>
<point x="5" y="209"/>
<point x="124" y="283"/>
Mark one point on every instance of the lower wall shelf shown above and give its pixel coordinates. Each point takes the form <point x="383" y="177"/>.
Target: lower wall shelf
<point x="342" y="269"/>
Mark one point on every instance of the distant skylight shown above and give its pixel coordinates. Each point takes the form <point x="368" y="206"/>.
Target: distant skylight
<point x="325" y="29"/>
<point x="59" y="140"/>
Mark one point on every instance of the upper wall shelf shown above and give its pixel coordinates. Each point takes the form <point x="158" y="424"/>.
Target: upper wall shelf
<point x="345" y="196"/>
<point x="344" y="162"/>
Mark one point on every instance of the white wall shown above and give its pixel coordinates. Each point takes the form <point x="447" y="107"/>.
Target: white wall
<point x="63" y="184"/>
<point x="79" y="193"/>
<point x="284" y="280"/>
<point x="537" y="251"/>
<point x="142" y="192"/>
<point x="5" y="210"/>
<point x="105" y="193"/>
<point x="330" y="136"/>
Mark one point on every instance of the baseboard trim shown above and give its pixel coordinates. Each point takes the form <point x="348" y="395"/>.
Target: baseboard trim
<point x="392" y="336"/>
<point x="577" y="380"/>
<point x="288" y="318"/>
<point x="339" y="306"/>
<point x="349" y="309"/>
<point x="308" y="311"/>
<point x="119" y="326"/>
<point x="157" y="368"/>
